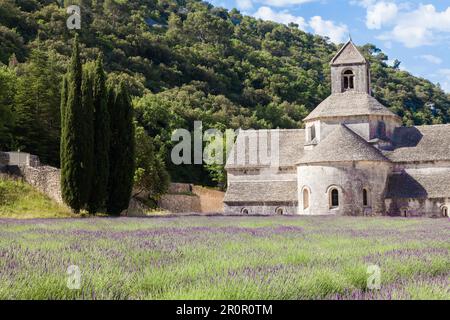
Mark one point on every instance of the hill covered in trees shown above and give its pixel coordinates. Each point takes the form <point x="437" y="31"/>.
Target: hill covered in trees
<point x="183" y="60"/>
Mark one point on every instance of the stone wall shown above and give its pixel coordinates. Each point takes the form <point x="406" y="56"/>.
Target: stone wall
<point x="187" y="198"/>
<point x="350" y="180"/>
<point x="417" y="207"/>
<point x="211" y="201"/>
<point x="177" y="188"/>
<point x="45" y="179"/>
<point x="261" y="209"/>
<point x="180" y="203"/>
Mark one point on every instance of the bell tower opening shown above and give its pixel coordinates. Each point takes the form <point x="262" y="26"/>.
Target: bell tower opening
<point x="349" y="80"/>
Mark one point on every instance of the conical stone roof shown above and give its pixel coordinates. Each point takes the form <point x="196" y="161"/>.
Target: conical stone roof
<point x="349" y="103"/>
<point x="342" y="145"/>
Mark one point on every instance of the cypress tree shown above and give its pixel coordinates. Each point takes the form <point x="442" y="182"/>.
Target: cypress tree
<point x="72" y="184"/>
<point x="101" y="140"/>
<point x="62" y="112"/>
<point x="87" y="132"/>
<point x="122" y="151"/>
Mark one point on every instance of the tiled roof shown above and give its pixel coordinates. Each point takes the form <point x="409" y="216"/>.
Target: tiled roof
<point x="423" y="143"/>
<point x="349" y="103"/>
<point x="261" y="191"/>
<point x="342" y="144"/>
<point x="291" y="147"/>
<point x="420" y="183"/>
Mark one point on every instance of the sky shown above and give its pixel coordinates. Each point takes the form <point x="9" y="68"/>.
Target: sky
<point x="416" y="32"/>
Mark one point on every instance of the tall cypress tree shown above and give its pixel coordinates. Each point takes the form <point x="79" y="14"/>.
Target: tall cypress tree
<point x="122" y="151"/>
<point x="72" y="177"/>
<point x="87" y="131"/>
<point x="62" y="112"/>
<point x="99" y="188"/>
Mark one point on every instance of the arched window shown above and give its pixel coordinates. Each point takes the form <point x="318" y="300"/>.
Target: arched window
<point x="445" y="211"/>
<point x="334" y="198"/>
<point x="313" y="132"/>
<point x="349" y="80"/>
<point x="404" y="212"/>
<point x="365" y="197"/>
<point x="244" y="211"/>
<point x="305" y="198"/>
<point x="279" y="211"/>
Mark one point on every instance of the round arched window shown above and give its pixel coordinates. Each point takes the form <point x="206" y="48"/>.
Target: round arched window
<point x="279" y="211"/>
<point x="244" y="211"/>
<point x="365" y="197"/>
<point x="305" y="198"/>
<point x="334" y="198"/>
<point x="445" y="211"/>
<point x="348" y="79"/>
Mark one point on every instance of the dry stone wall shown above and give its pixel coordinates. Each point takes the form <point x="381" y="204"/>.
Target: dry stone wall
<point x="45" y="179"/>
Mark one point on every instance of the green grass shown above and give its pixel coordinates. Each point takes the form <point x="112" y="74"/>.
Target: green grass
<point x="20" y="200"/>
<point x="225" y="258"/>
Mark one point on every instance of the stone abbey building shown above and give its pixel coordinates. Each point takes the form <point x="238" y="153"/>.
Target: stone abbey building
<point x="354" y="157"/>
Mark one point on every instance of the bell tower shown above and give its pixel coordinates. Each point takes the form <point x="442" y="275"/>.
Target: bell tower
<point x="350" y="71"/>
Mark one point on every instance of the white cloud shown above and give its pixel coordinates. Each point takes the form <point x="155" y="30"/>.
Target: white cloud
<point x="244" y="4"/>
<point x="336" y="33"/>
<point x="284" y="17"/>
<point x="380" y="13"/>
<point x="431" y="58"/>
<point x="419" y="27"/>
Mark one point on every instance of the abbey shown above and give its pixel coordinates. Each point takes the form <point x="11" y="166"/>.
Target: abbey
<point x="354" y="157"/>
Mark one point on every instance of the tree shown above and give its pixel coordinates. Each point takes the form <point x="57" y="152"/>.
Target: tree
<point x="8" y="85"/>
<point x="37" y="125"/>
<point x="101" y="140"/>
<point x="87" y="130"/>
<point x="121" y="152"/>
<point x="150" y="175"/>
<point x="73" y="186"/>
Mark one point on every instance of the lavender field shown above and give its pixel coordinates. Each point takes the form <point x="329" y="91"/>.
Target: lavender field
<point x="225" y="258"/>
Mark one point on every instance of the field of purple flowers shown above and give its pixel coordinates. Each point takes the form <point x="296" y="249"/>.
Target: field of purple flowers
<point x="225" y="258"/>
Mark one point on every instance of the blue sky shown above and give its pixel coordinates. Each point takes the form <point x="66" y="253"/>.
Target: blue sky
<point x="416" y="32"/>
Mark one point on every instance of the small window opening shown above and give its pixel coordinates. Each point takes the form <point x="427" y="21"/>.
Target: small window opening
<point x="305" y="199"/>
<point x="349" y="80"/>
<point x="313" y="132"/>
<point x="334" y="198"/>
<point x="445" y="211"/>
<point x="365" y="198"/>
<point x="244" y="211"/>
<point x="279" y="211"/>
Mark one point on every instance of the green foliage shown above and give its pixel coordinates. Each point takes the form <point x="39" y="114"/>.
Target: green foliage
<point x="122" y="151"/>
<point x="8" y="87"/>
<point x="101" y="137"/>
<point x="150" y="176"/>
<point x="36" y="107"/>
<point x="87" y="129"/>
<point x="73" y="184"/>
<point x="203" y="63"/>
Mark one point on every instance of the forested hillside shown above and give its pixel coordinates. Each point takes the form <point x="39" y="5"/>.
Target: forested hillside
<point x="184" y="60"/>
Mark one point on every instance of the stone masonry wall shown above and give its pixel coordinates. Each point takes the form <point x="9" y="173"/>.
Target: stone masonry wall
<point x="45" y="179"/>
